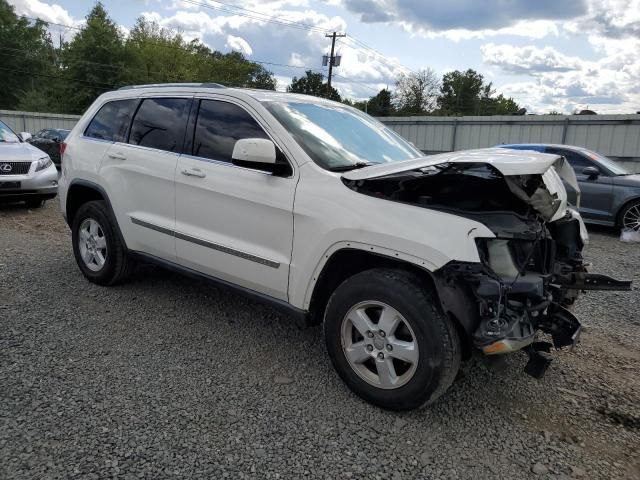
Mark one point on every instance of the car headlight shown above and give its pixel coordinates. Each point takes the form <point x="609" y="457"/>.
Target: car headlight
<point x="43" y="163"/>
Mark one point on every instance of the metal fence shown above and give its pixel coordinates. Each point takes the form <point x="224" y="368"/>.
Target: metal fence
<point x="617" y="136"/>
<point x="33" y="121"/>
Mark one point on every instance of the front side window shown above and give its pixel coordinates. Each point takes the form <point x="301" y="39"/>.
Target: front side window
<point x="7" y="135"/>
<point x="337" y="137"/>
<point x="613" y="167"/>
<point x="219" y="126"/>
<point x="112" y="121"/>
<point x="160" y="123"/>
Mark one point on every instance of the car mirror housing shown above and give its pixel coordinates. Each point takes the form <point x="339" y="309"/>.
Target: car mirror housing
<point x="254" y="150"/>
<point x="591" y="172"/>
<point x="25" y="136"/>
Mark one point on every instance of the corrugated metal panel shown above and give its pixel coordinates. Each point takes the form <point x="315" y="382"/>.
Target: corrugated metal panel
<point x="614" y="135"/>
<point x="33" y="121"/>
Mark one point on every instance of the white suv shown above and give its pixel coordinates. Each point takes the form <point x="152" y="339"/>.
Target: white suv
<point x="411" y="263"/>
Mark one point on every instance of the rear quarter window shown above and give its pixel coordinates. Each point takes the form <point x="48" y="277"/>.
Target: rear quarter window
<point x="112" y="121"/>
<point x="160" y="123"/>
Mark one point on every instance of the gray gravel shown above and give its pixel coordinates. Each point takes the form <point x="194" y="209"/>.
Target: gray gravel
<point x="166" y="377"/>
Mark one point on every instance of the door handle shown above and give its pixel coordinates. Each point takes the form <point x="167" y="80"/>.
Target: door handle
<point x="193" y="172"/>
<point x="117" y="156"/>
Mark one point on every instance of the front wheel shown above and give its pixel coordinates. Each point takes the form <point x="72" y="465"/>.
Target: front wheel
<point x="630" y="216"/>
<point x="389" y="340"/>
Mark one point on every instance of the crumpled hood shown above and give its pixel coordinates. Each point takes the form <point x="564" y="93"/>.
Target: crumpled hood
<point x="508" y="162"/>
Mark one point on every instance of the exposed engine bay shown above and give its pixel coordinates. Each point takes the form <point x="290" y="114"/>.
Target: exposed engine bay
<point x="529" y="275"/>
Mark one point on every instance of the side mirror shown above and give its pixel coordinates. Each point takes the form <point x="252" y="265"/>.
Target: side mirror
<point x="591" y="172"/>
<point x="56" y="139"/>
<point x="254" y="150"/>
<point x="24" y="136"/>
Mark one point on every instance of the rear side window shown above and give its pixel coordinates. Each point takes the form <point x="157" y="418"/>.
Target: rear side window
<point x="112" y="121"/>
<point x="219" y="126"/>
<point x="160" y="123"/>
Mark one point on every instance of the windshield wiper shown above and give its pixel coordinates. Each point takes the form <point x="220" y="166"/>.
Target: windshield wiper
<point x="353" y="166"/>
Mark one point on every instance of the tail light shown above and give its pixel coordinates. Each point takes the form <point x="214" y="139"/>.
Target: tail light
<point x="63" y="147"/>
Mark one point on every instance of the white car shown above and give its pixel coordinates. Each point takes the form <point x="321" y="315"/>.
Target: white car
<point x="410" y="263"/>
<point x="26" y="172"/>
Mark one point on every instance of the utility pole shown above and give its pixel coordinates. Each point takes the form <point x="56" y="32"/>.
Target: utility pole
<point x="332" y="58"/>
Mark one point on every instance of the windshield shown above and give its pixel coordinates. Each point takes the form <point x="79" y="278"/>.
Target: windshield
<point x="606" y="162"/>
<point x="6" y="134"/>
<point x="341" y="138"/>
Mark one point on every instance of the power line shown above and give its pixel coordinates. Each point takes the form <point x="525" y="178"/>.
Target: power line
<point x="225" y="7"/>
<point x="94" y="84"/>
<point x="262" y="62"/>
<point x="362" y="46"/>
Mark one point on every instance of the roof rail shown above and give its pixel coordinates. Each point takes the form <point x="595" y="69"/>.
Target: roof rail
<point x="161" y="85"/>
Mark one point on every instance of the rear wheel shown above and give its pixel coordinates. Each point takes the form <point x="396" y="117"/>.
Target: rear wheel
<point x="630" y="216"/>
<point x="100" y="254"/>
<point x="389" y="340"/>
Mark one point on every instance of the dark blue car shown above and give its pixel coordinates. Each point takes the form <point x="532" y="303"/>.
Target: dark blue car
<point x="610" y="195"/>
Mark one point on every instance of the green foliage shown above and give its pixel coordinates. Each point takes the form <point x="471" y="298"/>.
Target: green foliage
<point x="312" y="84"/>
<point x="381" y="105"/>
<point x="94" y="61"/>
<point x="466" y="93"/>
<point x="27" y="56"/>
<point x="37" y="76"/>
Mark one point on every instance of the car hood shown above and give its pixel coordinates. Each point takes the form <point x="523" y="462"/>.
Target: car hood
<point x="627" y="180"/>
<point x="507" y="162"/>
<point x="511" y="163"/>
<point x="19" y="152"/>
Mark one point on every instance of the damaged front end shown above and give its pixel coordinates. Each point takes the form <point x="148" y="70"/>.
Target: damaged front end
<point x="530" y="274"/>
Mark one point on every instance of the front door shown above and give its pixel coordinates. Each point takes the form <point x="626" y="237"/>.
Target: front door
<point x="595" y="192"/>
<point x="233" y="223"/>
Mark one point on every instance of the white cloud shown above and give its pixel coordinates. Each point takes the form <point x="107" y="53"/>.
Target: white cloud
<point x="50" y="13"/>
<point x="529" y="59"/>
<point x="238" y="44"/>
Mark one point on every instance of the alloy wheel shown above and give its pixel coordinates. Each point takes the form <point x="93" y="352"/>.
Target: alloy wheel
<point x="92" y="244"/>
<point x="379" y="344"/>
<point x="631" y="219"/>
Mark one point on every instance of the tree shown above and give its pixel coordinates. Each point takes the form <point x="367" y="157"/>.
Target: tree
<point x="94" y="60"/>
<point x="312" y="84"/>
<point x="380" y="105"/>
<point x="466" y="93"/>
<point x="416" y="93"/>
<point x="27" y="57"/>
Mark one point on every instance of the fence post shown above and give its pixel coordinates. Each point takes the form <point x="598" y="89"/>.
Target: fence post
<point x="565" y="127"/>
<point x="24" y="122"/>
<point x="453" y="136"/>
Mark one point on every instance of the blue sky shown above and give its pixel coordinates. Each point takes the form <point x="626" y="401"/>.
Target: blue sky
<point x="547" y="54"/>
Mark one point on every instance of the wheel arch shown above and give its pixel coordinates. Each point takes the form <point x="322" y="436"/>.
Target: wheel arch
<point x="350" y="260"/>
<point x="83" y="191"/>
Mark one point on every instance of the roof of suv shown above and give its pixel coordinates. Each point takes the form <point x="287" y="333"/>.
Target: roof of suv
<point x="258" y="94"/>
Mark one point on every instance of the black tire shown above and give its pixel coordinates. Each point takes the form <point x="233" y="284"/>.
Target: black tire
<point x="630" y="208"/>
<point x="437" y="339"/>
<point x="117" y="264"/>
<point x="35" y="203"/>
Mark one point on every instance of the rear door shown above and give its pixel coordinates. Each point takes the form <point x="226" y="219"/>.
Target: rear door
<point x="233" y="223"/>
<point x="595" y="193"/>
<point x="140" y="172"/>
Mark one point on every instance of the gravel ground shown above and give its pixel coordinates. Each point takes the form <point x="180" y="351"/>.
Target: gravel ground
<point x="166" y="377"/>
